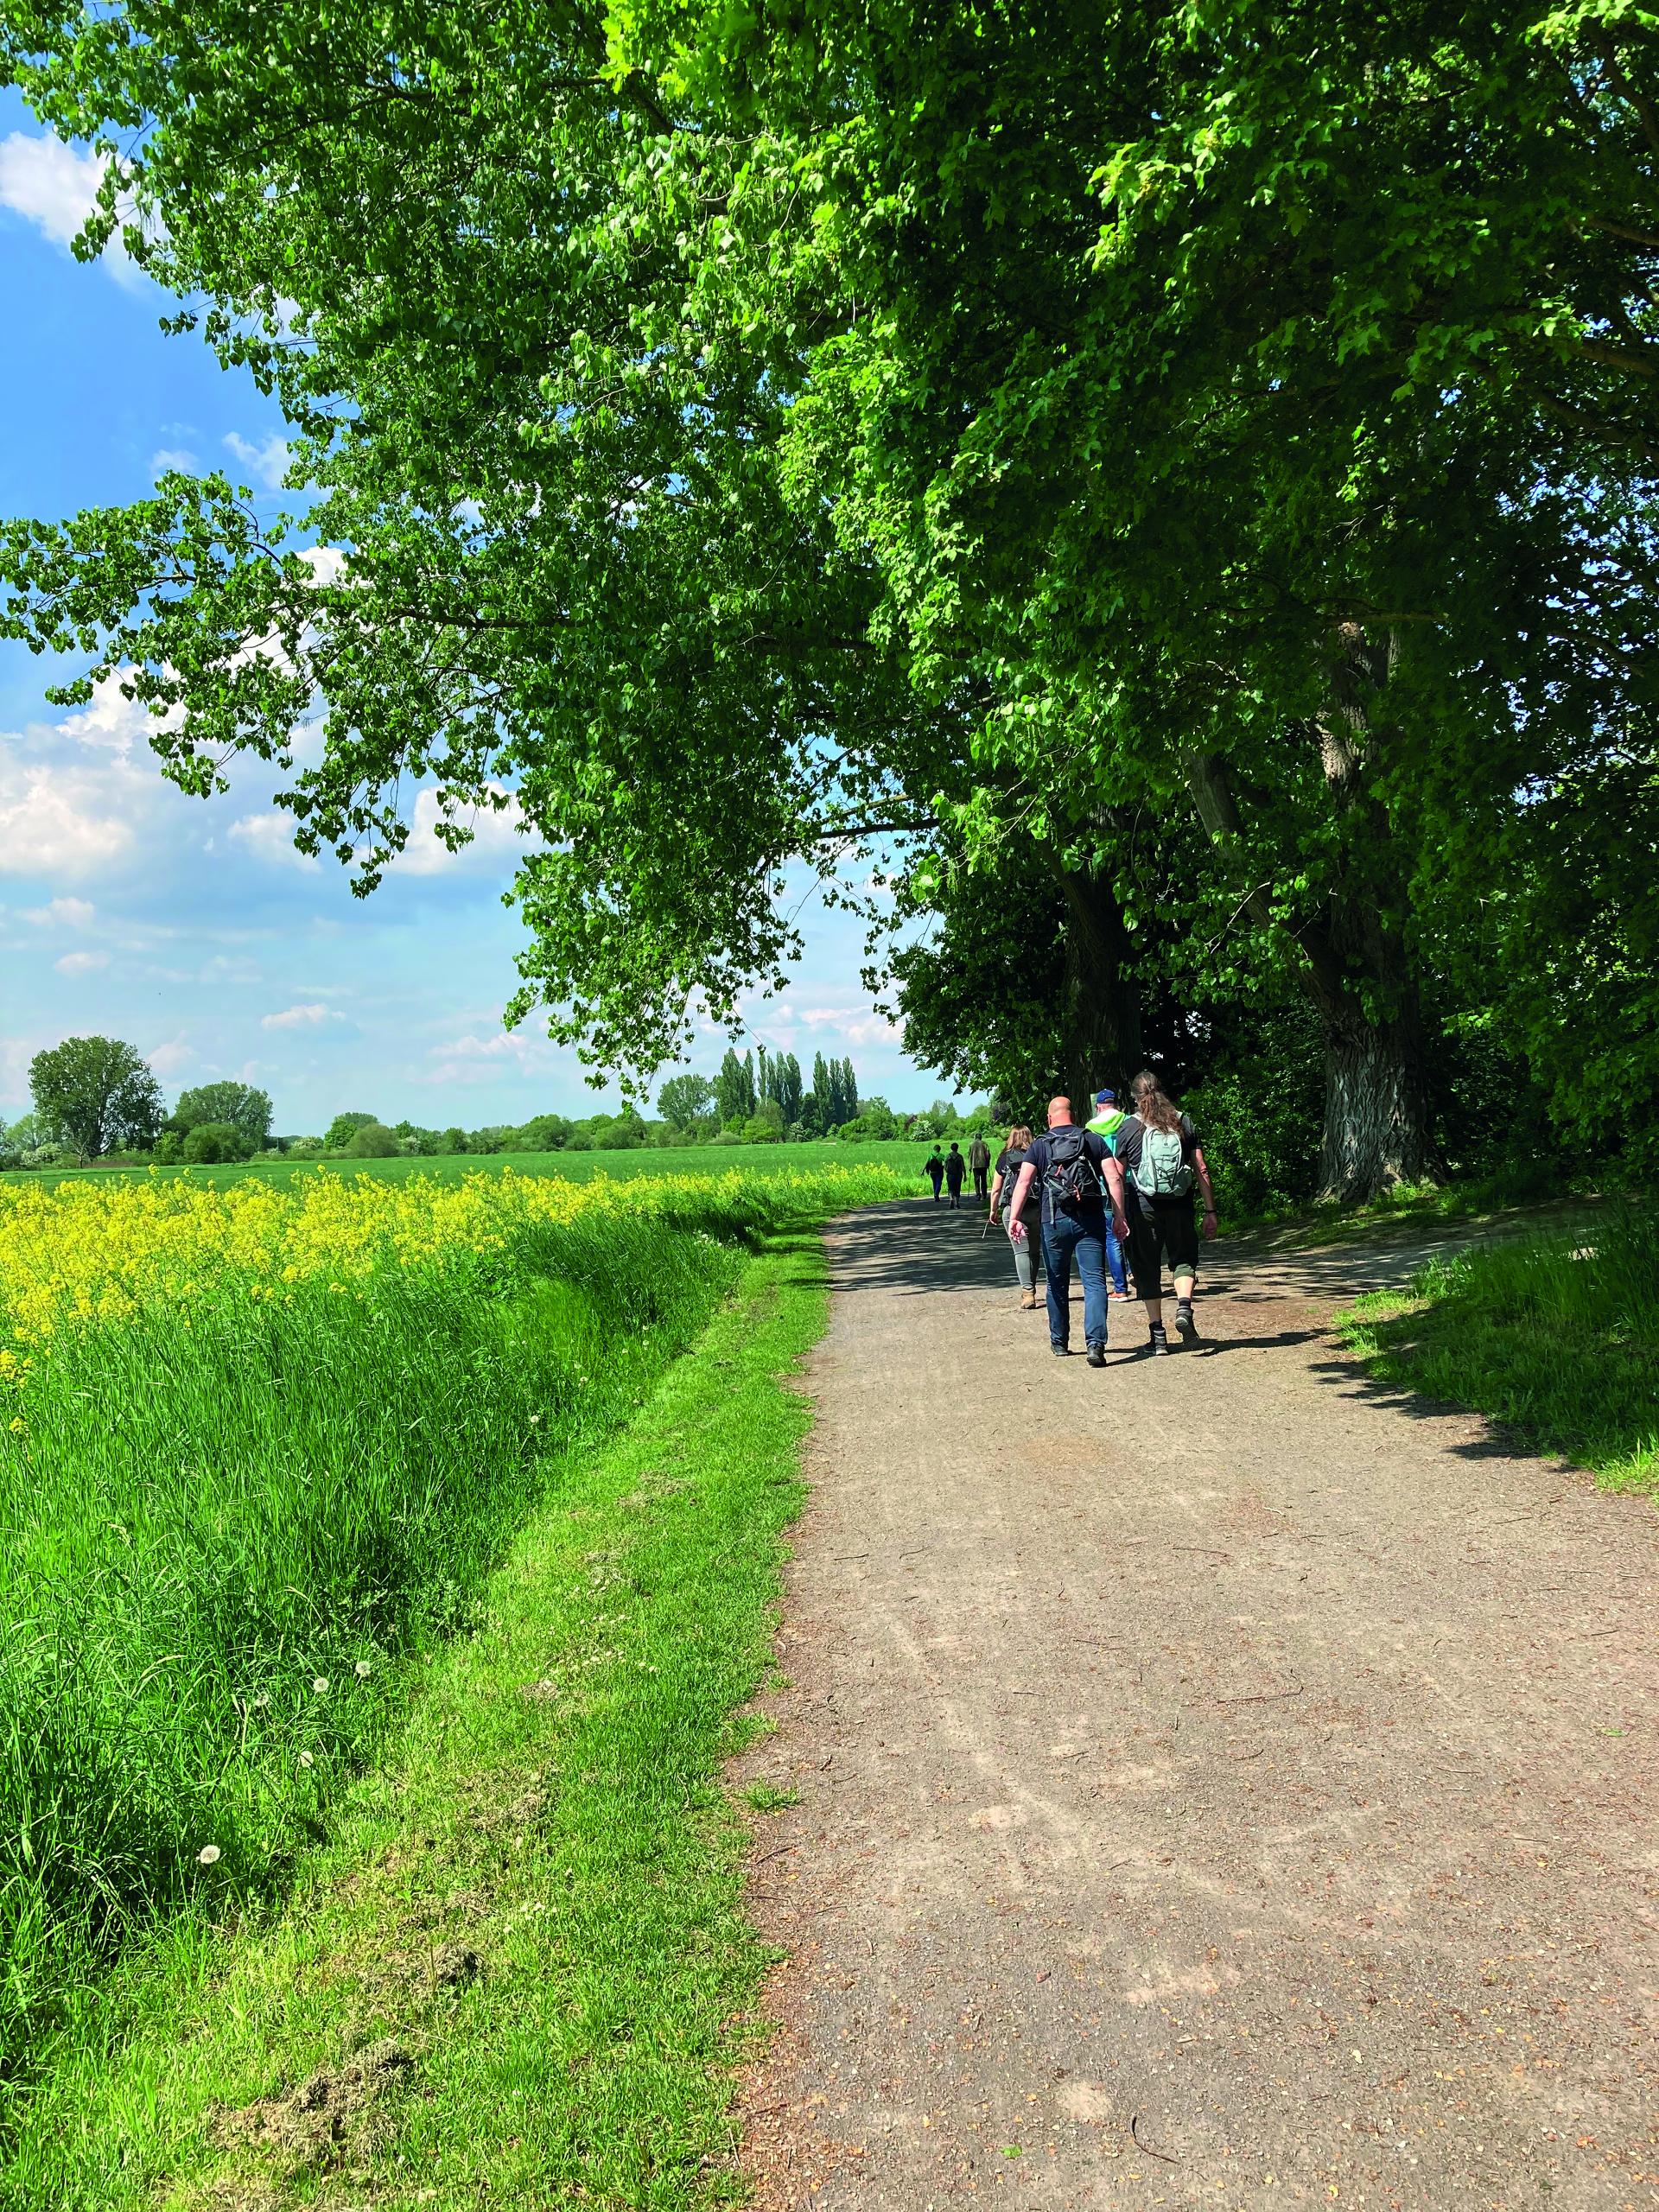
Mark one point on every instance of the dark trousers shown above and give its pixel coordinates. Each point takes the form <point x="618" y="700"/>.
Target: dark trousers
<point x="956" y="1191"/>
<point x="981" y="1182"/>
<point x="1065" y="1238"/>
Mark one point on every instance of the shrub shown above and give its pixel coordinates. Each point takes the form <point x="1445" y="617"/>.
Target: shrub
<point x="373" y="1140"/>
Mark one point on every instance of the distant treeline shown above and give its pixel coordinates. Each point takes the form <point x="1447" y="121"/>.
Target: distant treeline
<point x="95" y="1098"/>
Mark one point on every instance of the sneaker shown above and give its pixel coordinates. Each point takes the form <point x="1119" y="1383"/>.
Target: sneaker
<point x="1097" y="1355"/>
<point x="1119" y="1297"/>
<point x="1183" y="1320"/>
<point x="1061" y="1352"/>
<point x="1157" y="1343"/>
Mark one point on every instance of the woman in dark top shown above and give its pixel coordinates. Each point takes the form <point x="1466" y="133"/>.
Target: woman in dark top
<point x="1026" y="1237"/>
<point x="1162" y="1160"/>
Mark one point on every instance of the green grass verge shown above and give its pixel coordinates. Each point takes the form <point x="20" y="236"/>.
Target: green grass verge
<point x="509" y="1975"/>
<point x="1296" y="1229"/>
<point x="1556" y="1335"/>
<point x="686" y="1160"/>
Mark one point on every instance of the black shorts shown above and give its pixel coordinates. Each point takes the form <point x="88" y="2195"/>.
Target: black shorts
<point x="1161" y="1226"/>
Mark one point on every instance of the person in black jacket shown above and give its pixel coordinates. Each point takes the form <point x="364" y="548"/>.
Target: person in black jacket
<point x="955" y="1168"/>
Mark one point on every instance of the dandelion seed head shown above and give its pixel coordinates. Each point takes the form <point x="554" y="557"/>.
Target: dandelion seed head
<point x="208" y="1855"/>
<point x="320" y="1683"/>
<point x="306" y="1759"/>
<point x="362" y="1670"/>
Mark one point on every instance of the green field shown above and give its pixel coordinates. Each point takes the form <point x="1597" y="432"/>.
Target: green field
<point x="690" y="1159"/>
<point x="261" y="1451"/>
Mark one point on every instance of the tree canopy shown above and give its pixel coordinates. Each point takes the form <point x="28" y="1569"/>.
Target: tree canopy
<point x="93" y="1094"/>
<point x="1183" y="473"/>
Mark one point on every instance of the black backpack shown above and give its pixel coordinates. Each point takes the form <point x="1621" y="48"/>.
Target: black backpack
<point x="1072" y="1181"/>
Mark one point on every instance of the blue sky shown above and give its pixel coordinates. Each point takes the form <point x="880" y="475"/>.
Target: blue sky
<point x="194" y="931"/>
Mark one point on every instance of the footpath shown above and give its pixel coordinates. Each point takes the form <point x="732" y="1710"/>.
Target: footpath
<point x="1222" y="1781"/>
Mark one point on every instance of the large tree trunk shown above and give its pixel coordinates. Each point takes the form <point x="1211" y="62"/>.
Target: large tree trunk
<point x="1359" y="971"/>
<point x="1101" y="1036"/>
<point x="1375" y="1126"/>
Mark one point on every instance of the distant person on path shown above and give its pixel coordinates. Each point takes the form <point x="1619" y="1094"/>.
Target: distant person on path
<point x="1025" y="1231"/>
<point x="1161" y="1160"/>
<point x="955" y="1168"/>
<point x="1108" y="1119"/>
<point x="1069" y="1166"/>
<point x="979" y="1159"/>
<point x="936" y="1169"/>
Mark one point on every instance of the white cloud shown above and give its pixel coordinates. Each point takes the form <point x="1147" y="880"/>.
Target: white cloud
<point x="269" y="837"/>
<point x="484" y="1060"/>
<point x="180" y="457"/>
<point x="54" y="186"/>
<point x="82" y="963"/>
<point x="62" y="913"/>
<point x="58" y="822"/>
<point x="171" y="1058"/>
<point x="300" y="1017"/>
<point x="499" y="835"/>
<point x="267" y="462"/>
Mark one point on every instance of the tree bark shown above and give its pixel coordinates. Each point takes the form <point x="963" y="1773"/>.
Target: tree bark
<point x="1358" y="969"/>
<point x="1101" y="1037"/>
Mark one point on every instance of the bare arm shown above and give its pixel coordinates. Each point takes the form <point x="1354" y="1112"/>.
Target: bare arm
<point x="1021" y="1191"/>
<point x="1203" y="1173"/>
<point x="996" y="1189"/>
<point x="1114" y="1193"/>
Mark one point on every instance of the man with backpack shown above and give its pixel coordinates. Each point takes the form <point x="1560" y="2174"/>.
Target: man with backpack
<point x="1160" y="1160"/>
<point x="1070" y="1166"/>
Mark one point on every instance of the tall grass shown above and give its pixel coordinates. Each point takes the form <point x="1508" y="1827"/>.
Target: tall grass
<point x="1556" y="1335"/>
<point x="235" y="1511"/>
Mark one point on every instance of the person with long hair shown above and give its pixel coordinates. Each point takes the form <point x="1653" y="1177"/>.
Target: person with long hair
<point x="1024" y="1235"/>
<point x="1158" y="1148"/>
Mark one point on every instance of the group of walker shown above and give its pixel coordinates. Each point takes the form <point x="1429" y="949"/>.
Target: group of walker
<point x="1124" y="1184"/>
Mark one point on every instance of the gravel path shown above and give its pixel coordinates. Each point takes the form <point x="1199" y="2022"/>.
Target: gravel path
<point x="1223" y="1782"/>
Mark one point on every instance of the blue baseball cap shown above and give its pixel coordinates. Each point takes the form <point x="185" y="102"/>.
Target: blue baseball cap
<point x="1105" y="1098"/>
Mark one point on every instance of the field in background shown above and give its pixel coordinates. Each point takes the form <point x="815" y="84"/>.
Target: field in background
<point x="902" y="1158"/>
<point x="261" y="1442"/>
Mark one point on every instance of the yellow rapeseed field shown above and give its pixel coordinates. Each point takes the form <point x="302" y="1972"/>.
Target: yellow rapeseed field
<point x="82" y="1252"/>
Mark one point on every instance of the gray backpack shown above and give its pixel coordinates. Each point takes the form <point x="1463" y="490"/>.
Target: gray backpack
<point x="1161" y="1171"/>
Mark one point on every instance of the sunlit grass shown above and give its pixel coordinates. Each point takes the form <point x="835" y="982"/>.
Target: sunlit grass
<point x="258" y="1450"/>
<point x="1557" y="1336"/>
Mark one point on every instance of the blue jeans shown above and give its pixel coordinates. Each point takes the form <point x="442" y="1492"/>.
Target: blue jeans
<point x="1086" y="1239"/>
<point x="1115" y="1262"/>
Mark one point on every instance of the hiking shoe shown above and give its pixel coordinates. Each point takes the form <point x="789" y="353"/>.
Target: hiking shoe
<point x="1119" y="1297"/>
<point x="1097" y="1355"/>
<point x="1157" y="1342"/>
<point x="1061" y="1352"/>
<point x="1183" y="1320"/>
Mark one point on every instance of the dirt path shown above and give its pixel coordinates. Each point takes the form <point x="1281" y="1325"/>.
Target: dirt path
<point x="1223" y="1781"/>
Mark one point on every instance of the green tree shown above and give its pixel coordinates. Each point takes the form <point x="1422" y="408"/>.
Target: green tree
<point x="94" y="1094"/>
<point x="789" y="1092"/>
<point x="685" y="1100"/>
<point x="965" y="427"/>
<point x="241" y="1105"/>
<point x="369" y="1140"/>
<point x="545" y="1132"/>
<point x="340" y="1131"/>
<point x="206" y="1143"/>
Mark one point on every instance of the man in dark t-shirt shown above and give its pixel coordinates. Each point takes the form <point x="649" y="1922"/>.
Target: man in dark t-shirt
<point x="1075" y="1171"/>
